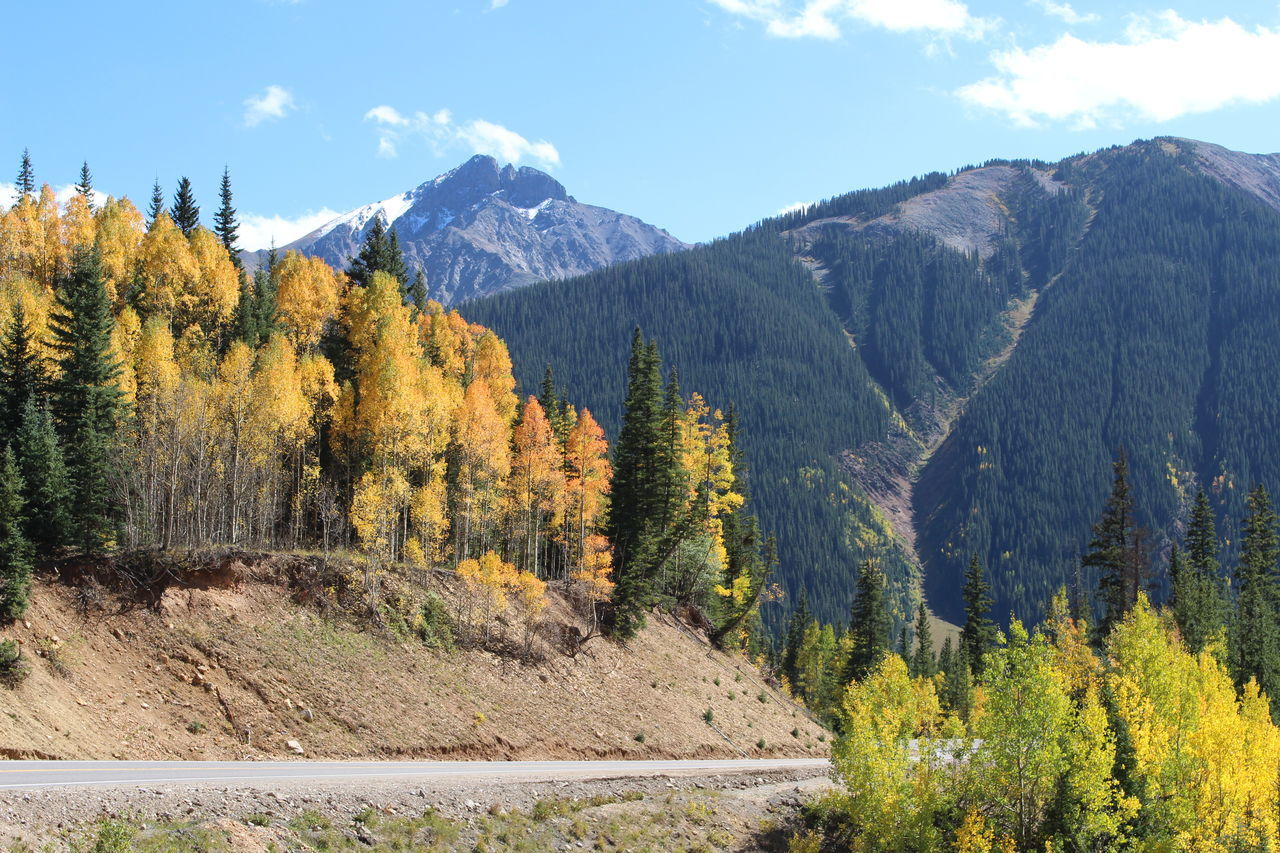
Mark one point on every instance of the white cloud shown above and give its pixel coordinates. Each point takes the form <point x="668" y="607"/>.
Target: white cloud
<point x="272" y="103"/>
<point x="795" y="207"/>
<point x="443" y="134"/>
<point x="822" y="18"/>
<point x="258" y="232"/>
<point x="9" y="194"/>
<point x="1164" y="68"/>
<point x="1067" y="12"/>
<point x="497" y="4"/>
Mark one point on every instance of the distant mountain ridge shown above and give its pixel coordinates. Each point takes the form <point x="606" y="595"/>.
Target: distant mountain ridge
<point x="483" y="228"/>
<point x="947" y="366"/>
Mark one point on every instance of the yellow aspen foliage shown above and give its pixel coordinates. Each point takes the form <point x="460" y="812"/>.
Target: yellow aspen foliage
<point x="307" y="296"/>
<point x="491" y="364"/>
<point x="120" y="233"/>
<point x="974" y="836"/>
<point x="37" y="305"/>
<point x="79" y="228"/>
<point x="537" y="483"/>
<point x="429" y="517"/>
<point x="887" y="760"/>
<point x="482" y="439"/>
<point x="167" y="267"/>
<point x="596" y="570"/>
<point x="485" y="582"/>
<point x="32" y="241"/>
<point x="195" y="353"/>
<point x="280" y="403"/>
<point x="209" y="298"/>
<point x="376" y="507"/>
<point x="586" y="462"/>
<point x="318" y="385"/>
<point x="447" y="339"/>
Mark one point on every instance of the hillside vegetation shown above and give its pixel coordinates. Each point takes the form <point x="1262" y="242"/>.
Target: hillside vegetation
<point x="947" y="367"/>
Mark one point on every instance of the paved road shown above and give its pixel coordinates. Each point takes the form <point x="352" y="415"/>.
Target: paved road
<point x="55" y="774"/>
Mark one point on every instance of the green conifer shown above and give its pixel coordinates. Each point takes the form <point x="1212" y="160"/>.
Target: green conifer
<point x="87" y="397"/>
<point x="380" y="251"/>
<point x="44" y="471"/>
<point x="84" y="187"/>
<point x="869" y="622"/>
<point x="15" y="551"/>
<point x="26" y="175"/>
<point x="225" y="226"/>
<point x="978" y="636"/>
<point x="22" y="372"/>
<point x="156" y="207"/>
<point x="1254" y="648"/>
<point x="923" y="662"/>
<point x="185" y="213"/>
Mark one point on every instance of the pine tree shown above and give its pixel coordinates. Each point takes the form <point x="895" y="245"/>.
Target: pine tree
<point x="1116" y="553"/>
<point x="85" y="186"/>
<point x="156" y="207"/>
<point x="87" y="396"/>
<point x="1198" y="593"/>
<point x="22" y="373"/>
<point x="265" y="304"/>
<point x="418" y="295"/>
<point x="15" y="551"/>
<point x="244" y="323"/>
<point x="869" y="624"/>
<point x="796" y="625"/>
<point x="44" y="472"/>
<point x="923" y="662"/>
<point x="1254" y="645"/>
<point x="26" y="175"/>
<point x="380" y="252"/>
<point x="978" y="636"/>
<point x="185" y="213"/>
<point x="635" y="500"/>
<point x="225" y="226"/>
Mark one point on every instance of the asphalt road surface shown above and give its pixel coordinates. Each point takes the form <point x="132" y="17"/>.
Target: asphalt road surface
<point x="59" y="774"/>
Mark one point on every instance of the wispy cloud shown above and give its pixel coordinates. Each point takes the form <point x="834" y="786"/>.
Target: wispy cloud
<point x="795" y="207"/>
<point x="1164" y="68"/>
<point x="823" y="18"/>
<point x="497" y="4"/>
<point x="1067" y="12"/>
<point x="273" y="102"/>
<point x="443" y="134"/>
<point x="259" y="232"/>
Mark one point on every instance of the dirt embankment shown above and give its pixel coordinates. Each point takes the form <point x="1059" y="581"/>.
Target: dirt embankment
<point x="228" y="665"/>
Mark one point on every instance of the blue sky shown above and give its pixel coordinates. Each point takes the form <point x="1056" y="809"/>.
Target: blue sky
<point x="700" y="116"/>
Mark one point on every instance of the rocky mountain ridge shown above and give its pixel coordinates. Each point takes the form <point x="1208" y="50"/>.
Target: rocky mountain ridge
<point x="483" y="228"/>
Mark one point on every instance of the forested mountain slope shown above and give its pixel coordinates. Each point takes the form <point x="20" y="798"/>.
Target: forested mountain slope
<point x="949" y="364"/>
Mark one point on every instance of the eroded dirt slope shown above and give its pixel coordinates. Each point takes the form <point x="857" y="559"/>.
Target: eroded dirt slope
<point x="241" y="671"/>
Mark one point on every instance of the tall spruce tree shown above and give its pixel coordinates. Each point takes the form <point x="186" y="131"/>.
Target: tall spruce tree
<point x="26" y="175"/>
<point x="1254" y="645"/>
<point x="15" y="551"/>
<point x="87" y="396"/>
<point x="185" y="212"/>
<point x="225" y="225"/>
<point x="380" y="251"/>
<point x="978" y="636"/>
<point x="84" y="187"/>
<point x="1116" y="552"/>
<point x="1199" y="595"/>
<point x="923" y="662"/>
<point x="44" y="471"/>
<point x="635" y="497"/>
<point x="156" y="206"/>
<point x="22" y="373"/>
<point x="869" y="624"/>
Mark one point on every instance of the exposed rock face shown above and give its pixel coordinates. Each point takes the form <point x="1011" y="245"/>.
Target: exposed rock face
<point x="483" y="228"/>
<point x="1256" y="174"/>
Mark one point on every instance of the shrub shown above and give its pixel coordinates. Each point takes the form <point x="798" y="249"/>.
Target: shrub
<point x="13" y="669"/>
<point x="708" y="715"/>
<point x="639" y="738"/>
<point x="433" y="625"/>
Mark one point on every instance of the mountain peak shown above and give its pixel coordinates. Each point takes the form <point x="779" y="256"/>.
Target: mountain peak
<point x="485" y="226"/>
<point x="483" y="176"/>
